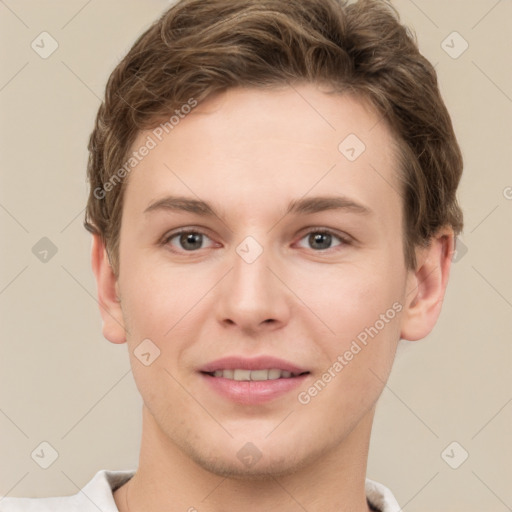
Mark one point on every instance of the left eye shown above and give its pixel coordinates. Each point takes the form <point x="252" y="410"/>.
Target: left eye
<point x="322" y="240"/>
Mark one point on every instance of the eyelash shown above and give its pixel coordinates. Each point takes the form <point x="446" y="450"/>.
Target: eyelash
<point x="343" y="239"/>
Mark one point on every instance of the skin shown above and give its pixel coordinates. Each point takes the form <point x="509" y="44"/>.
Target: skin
<point x="248" y="153"/>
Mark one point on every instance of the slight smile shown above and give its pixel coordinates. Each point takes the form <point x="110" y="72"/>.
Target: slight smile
<point x="252" y="381"/>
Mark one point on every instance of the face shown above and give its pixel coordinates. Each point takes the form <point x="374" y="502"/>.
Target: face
<point x="263" y="260"/>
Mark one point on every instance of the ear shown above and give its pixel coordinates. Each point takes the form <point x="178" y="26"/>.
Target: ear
<point x="106" y="282"/>
<point x="426" y="286"/>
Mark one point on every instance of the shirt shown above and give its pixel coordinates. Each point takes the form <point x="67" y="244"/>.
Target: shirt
<point x="97" y="495"/>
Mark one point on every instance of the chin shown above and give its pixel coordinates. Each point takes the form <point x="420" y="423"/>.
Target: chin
<point x="249" y="463"/>
<point x="236" y="470"/>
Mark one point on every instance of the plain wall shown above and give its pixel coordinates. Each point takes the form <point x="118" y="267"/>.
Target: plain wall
<point x="63" y="383"/>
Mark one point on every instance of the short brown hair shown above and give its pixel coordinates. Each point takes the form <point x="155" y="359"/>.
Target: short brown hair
<point x="198" y="48"/>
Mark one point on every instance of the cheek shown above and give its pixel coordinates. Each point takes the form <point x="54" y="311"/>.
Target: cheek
<point x="367" y="323"/>
<point x="359" y="356"/>
<point x="156" y="298"/>
<point x="354" y="299"/>
<point x="157" y="312"/>
<point x="363" y="307"/>
<point x="163" y="305"/>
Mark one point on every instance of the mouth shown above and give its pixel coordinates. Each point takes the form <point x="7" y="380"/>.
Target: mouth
<point x="241" y="374"/>
<point x="252" y="381"/>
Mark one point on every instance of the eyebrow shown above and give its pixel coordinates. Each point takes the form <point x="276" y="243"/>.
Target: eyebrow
<point x="302" y="206"/>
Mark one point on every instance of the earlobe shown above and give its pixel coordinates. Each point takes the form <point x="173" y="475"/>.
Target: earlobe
<point x="107" y="285"/>
<point x="426" y="286"/>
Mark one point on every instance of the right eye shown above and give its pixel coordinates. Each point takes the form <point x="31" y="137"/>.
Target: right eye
<point x="185" y="240"/>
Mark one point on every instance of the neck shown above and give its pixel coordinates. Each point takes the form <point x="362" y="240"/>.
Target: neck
<point x="168" y="480"/>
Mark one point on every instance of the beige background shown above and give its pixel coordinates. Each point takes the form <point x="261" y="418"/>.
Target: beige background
<point x="62" y="383"/>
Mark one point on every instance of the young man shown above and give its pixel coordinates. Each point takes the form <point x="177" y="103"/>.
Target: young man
<point x="273" y="208"/>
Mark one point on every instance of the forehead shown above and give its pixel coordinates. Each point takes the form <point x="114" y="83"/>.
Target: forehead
<point x="249" y="146"/>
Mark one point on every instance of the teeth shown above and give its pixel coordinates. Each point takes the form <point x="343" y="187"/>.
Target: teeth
<point x="274" y="374"/>
<point x="259" y="375"/>
<point x="242" y="375"/>
<point x="255" y="375"/>
<point x="228" y="374"/>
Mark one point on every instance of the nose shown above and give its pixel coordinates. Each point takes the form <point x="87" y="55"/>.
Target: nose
<point x="252" y="296"/>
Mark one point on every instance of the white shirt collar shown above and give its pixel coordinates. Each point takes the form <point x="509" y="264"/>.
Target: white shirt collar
<point x="97" y="494"/>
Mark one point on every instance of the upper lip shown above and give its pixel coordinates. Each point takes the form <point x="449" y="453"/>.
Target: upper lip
<point x="254" y="363"/>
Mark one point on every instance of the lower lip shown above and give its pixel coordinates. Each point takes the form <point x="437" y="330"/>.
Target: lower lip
<point x="253" y="392"/>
